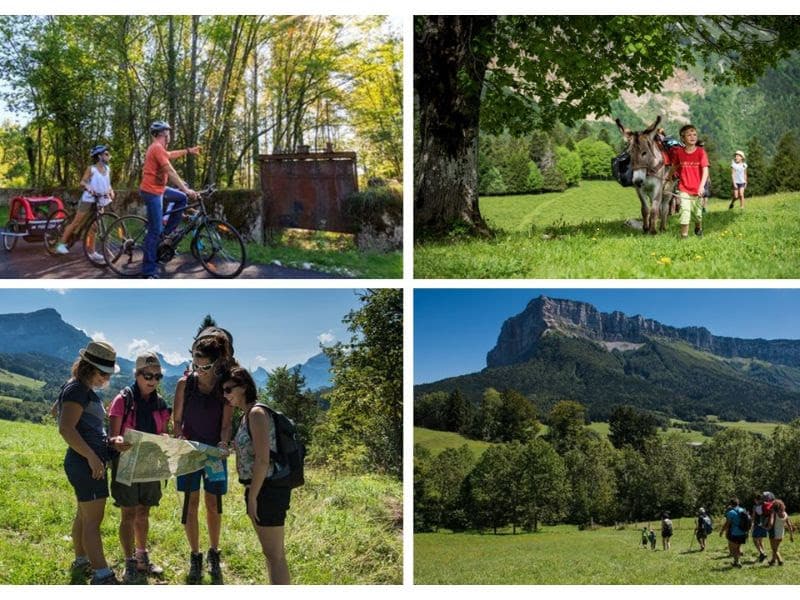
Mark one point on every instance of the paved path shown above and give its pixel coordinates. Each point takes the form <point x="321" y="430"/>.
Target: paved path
<point x="31" y="261"/>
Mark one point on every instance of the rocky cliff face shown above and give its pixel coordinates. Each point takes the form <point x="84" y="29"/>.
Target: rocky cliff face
<point x="520" y="334"/>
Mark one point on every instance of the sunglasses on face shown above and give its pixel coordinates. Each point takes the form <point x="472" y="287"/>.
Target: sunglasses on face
<point x="227" y="389"/>
<point x="151" y="376"/>
<point x="203" y="368"/>
<point x="104" y="375"/>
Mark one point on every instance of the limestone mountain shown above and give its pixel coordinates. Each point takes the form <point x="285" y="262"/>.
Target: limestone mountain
<point x="566" y="350"/>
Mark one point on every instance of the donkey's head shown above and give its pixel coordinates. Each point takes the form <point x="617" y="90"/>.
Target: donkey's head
<point x="646" y="157"/>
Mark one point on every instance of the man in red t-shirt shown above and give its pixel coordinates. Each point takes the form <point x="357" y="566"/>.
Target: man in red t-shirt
<point x="157" y="171"/>
<point x="690" y="164"/>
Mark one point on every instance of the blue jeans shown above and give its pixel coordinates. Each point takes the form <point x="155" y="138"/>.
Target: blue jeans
<point x="154" y="214"/>
<point x="174" y="200"/>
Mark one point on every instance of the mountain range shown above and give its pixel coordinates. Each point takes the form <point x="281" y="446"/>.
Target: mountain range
<point x="567" y="350"/>
<point x="45" y="332"/>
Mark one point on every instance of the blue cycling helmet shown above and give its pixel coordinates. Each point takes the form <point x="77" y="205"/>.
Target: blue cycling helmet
<point x="99" y="149"/>
<point x="157" y="127"/>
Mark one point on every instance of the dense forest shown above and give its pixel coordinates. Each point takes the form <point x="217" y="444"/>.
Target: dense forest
<point x="574" y="475"/>
<point x="670" y="379"/>
<point x="238" y="86"/>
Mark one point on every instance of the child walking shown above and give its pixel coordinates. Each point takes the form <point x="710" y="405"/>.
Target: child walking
<point x="690" y="164"/>
<point x="739" y="178"/>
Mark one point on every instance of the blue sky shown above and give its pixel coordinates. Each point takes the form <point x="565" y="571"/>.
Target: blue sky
<point x="455" y="328"/>
<point x="270" y="328"/>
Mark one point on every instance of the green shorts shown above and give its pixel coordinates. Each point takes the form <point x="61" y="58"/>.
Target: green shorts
<point x="136" y="494"/>
<point x="690" y="206"/>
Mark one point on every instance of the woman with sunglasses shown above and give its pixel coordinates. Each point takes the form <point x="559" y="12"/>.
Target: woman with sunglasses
<point x="255" y="438"/>
<point x="138" y="407"/>
<point x="201" y="415"/>
<point x="81" y="422"/>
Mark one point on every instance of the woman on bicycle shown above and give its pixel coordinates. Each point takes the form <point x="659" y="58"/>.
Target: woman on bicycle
<point x="156" y="172"/>
<point x="96" y="184"/>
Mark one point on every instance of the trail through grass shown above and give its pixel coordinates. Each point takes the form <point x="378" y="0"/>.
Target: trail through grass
<point x="581" y="233"/>
<point x="564" y="555"/>
<point x="340" y="529"/>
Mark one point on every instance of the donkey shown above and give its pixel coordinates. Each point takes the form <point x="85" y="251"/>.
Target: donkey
<point x="649" y="175"/>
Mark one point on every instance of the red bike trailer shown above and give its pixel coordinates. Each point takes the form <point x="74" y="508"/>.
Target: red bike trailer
<point x="29" y="218"/>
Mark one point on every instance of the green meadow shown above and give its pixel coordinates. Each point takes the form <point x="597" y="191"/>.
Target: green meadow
<point x="340" y="529"/>
<point x="582" y="233"/>
<point x="564" y="555"/>
<point x="21" y="380"/>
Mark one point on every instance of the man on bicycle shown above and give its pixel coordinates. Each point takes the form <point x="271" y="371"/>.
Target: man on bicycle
<point x="157" y="171"/>
<point x="96" y="184"/>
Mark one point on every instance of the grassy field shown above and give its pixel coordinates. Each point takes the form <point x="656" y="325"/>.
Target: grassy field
<point x="581" y="233"/>
<point x="340" y="529"/>
<point x="21" y="380"/>
<point x="564" y="555"/>
<point x="436" y="441"/>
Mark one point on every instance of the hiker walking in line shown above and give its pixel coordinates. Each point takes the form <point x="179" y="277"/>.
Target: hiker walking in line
<point x="736" y="527"/>
<point x="201" y="415"/>
<point x="666" y="530"/>
<point x="138" y="407"/>
<point x="652" y="537"/>
<point x="760" y="516"/>
<point x="644" y="538"/>
<point x="703" y="528"/>
<point x="255" y="442"/>
<point x="780" y="523"/>
<point x="81" y="422"/>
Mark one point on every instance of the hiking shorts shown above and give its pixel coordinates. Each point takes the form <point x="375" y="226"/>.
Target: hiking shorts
<point x="273" y="502"/>
<point x="701" y="534"/>
<point x="759" y="532"/>
<point x="137" y="494"/>
<point x="80" y="478"/>
<point x="691" y="206"/>
<point x="191" y="482"/>
<point x="737" y="539"/>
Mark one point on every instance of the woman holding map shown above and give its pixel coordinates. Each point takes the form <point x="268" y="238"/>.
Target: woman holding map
<point x="81" y="422"/>
<point x="138" y="407"/>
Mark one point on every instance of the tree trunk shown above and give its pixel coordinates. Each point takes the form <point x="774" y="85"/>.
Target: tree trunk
<point x="172" y="89"/>
<point x="191" y="110"/>
<point x="449" y="72"/>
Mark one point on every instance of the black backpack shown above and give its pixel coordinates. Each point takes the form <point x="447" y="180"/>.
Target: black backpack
<point x="745" y="520"/>
<point x="127" y="395"/>
<point x="622" y="170"/>
<point x="289" y="460"/>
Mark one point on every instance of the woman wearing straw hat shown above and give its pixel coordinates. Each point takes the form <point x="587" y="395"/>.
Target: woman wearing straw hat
<point x="739" y="177"/>
<point x="81" y="423"/>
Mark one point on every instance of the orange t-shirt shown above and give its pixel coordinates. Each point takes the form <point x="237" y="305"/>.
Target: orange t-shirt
<point x="154" y="172"/>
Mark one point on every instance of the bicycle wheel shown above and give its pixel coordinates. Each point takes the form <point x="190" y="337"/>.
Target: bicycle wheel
<point x="97" y="229"/>
<point x="9" y="241"/>
<point x="54" y="229"/>
<point x="220" y="248"/>
<point x="123" y="245"/>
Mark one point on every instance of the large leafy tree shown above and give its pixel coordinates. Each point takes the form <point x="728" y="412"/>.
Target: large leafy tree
<point x="365" y="420"/>
<point x="520" y="72"/>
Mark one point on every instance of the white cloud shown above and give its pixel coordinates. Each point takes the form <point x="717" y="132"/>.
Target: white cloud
<point x="98" y="336"/>
<point x="137" y="346"/>
<point x="174" y="358"/>
<point x="59" y="291"/>
<point x="327" y="338"/>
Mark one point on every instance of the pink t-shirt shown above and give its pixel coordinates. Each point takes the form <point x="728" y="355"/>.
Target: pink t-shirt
<point x="117" y="409"/>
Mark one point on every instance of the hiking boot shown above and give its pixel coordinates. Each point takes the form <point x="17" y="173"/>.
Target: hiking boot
<point x="62" y="248"/>
<point x="737" y="565"/>
<point x="109" y="579"/>
<point x="195" y="575"/>
<point x="761" y="557"/>
<point x="80" y="571"/>
<point x="143" y="565"/>
<point x="131" y="575"/>
<point x="214" y="567"/>
<point x="730" y="206"/>
<point x="698" y="231"/>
